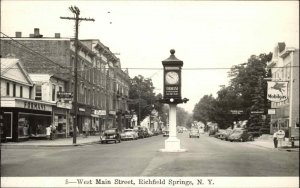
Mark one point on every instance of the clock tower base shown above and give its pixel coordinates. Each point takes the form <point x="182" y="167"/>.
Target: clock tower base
<point x="172" y="144"/>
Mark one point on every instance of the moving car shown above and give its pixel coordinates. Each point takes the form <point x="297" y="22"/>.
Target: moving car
<point x="240" y="135"/>
<point x="111" y="135"/>
<point x="194" y="133"/>
<point x="129" y="134"/>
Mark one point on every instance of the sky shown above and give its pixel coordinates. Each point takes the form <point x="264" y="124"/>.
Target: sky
<point x="208" y="36"/>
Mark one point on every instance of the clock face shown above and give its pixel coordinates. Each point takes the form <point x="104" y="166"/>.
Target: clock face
<point x="172" y="77"/>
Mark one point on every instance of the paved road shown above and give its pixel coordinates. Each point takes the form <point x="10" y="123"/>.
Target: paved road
<point x="206" y="156"/>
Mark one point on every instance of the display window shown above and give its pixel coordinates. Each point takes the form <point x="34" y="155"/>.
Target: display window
<point x="33" y="125"/>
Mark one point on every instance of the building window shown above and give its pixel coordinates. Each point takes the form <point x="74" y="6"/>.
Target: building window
<point x="53" y="92"/>
<point x="21" y="91"/>
<point x="60" y="89"/>
<point x="38" y="92"/>
<point x="7" y="88"/>
<point x="14" y="90"/>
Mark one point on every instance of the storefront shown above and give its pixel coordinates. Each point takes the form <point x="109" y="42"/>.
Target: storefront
<point x="110" y="120"/>
<point x="98" y="117"/>
<point x="280" y="120"/>
<point x="61" y="119"/>
<point x="25" y="118"/>
<point x="84" y="119"/>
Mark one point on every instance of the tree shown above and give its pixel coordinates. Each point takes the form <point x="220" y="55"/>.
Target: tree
<point x="142" y="98"/>
<point x="181" y="116"/>
<point x="204" y="110"/>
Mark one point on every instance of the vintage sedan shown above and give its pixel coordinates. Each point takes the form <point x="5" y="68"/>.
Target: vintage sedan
<point x="110" y="135"/>
<point x="166" y="133"/>
<point x="194" y="133"/>
<point x="240" y="135"/>
<point x="129" y="134"/>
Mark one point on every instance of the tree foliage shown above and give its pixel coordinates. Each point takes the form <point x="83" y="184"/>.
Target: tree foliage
<point x="246" y="92"/>
<point x="142" y="98"/>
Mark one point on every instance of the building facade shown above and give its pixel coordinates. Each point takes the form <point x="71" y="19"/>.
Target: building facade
<point x="24" y="117"/>
<point x="98" y="70"/>
<point x="284" y="67"/>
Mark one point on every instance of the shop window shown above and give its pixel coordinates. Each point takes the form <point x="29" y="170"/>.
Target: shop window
<point x="7" y="88"/>
<point x="60" y="123"/>
<point x="33" y="125"/>
<point x="38" y="92"/>
<point x="21" y="91"/>
<point x="14" y="90"/>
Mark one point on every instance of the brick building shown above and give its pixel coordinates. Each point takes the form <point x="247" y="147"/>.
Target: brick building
<point x="98" y="70"/>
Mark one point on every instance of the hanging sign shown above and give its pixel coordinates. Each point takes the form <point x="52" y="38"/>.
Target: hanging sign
<point x="277" y="91"/>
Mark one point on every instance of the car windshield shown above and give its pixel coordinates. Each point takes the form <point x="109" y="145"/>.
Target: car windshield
<point x="194" y="130"/>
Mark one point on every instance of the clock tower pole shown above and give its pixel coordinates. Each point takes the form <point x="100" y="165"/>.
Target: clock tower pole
<point x="172" y="96"/>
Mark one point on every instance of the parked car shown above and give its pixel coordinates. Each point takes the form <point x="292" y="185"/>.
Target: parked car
<point x="129" y="134"/>
<point x="194" y="133"/>
<point x="110" y="135"/>
<point x="228" y="132"/>
<point x="150" y="133"/>
<point x="240" y="135"/>
<point x="220" y="134"/>
<point x="180" y="130"/>
<point x="139" y="131"/>
<point x="146" y="132"/>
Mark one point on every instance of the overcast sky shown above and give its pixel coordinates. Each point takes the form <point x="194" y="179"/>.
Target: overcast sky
<point x="204" y="34"/>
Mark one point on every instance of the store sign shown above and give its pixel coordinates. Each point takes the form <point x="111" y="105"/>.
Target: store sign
<point x="271" y="111"/>
<point x="257" y="112"/>
<point x="128" y="116"/>
<point x="65" y="95"/>
<point x="99" y="112"/>
<point x="81" y="109"/>
<point x="236" y="111"/>
<point x="112" y="112"/>
<point x="34" y="105"/>
<point x="277" y="91"/>
<point x="64" y="105"/>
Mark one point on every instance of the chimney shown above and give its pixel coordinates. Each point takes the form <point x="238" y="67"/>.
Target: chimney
<point x="18" y="34"/>
<point x="57" y="35"/>
<point x="36" y="32"/>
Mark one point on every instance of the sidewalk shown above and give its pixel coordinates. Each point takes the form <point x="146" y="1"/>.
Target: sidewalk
<point x="80" y="140"/>
<point x="266" y="141"/>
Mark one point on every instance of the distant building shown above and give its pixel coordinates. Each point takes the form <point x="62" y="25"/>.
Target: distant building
<point x="284" y="67"/>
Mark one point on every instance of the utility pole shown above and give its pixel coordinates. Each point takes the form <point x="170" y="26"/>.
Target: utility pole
<point x="76" y="11"/>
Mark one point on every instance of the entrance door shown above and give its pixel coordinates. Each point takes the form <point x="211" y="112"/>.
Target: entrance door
<point x="8" y="123"/>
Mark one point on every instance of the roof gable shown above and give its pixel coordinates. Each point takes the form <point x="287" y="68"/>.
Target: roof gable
<point x="12" y="69"/>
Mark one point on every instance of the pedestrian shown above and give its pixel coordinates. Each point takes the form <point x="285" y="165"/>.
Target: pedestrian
<point x="275" y="139"/>
<point x="53" y="130"/>
<point x="48" y="132"/>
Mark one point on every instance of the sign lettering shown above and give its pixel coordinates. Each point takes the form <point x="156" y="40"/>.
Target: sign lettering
<point x="34" y="106"/>
<point x="277" y="91"/>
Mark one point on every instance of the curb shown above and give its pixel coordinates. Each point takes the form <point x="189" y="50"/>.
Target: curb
<point x="12" y="146"/>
